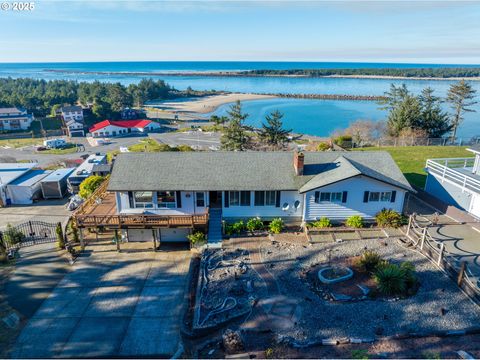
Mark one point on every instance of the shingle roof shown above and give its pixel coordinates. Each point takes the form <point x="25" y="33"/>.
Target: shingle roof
<point x="209" y="171"/>
<point x="10" y="110"/>
<point x="71" y="108"/>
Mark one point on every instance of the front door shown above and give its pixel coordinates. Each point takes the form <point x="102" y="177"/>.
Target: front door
<point x="215" y="199"/>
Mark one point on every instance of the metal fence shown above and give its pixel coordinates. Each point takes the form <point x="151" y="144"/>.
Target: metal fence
<point x="27" y="234"/>
<point x="423" y="241"/>
<point x="412" y="141"/>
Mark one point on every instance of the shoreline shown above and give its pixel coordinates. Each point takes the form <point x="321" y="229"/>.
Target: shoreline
<point x="252" y="75"/>
<point x="205" y="104"/>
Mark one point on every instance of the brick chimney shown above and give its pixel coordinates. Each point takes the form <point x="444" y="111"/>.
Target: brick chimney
<point x="298" y="160"/>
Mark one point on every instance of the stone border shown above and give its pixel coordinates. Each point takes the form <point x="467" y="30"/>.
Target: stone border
<point x="400" y="336"/>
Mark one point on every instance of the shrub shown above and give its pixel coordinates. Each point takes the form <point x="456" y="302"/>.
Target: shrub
<point x="89" y="185"/>
<point x="369" y="261"/>
<point x="391" y="280"/>
<point x="344" y="141"/>
<point x="361" y="354"/>
<point x="322" y="223"/>
<point x="254" y="224"/>
<point x="323" y="146"/>
<point x="355" y="221"/>
<point x="60" y="238"/>
<point x="235" y="228"/>
<point x="12" y="236"/>
<point x="276" y="226"/>
<point x="389" y="218"/>
<point x="197" y="238"/>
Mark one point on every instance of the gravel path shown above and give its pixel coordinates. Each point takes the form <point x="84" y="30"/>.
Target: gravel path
<point x="320" y="318"/>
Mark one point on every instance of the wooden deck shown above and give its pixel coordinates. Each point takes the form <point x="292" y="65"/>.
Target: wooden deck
<point x="101" y="212"/>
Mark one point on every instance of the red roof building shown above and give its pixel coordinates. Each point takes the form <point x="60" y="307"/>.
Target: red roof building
<point x="109" y="128"/>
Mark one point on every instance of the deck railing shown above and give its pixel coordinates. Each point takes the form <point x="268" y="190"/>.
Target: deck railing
<point x="141" y="221"/>
<point x="446" y="170"/>
<point x="99" y="193"/>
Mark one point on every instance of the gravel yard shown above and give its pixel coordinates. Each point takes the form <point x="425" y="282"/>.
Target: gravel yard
<point x="366" y="319"/>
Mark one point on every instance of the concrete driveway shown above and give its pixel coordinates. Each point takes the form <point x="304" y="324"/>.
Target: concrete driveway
<point x="51" y="211"/>
<point x="111" y="304"/>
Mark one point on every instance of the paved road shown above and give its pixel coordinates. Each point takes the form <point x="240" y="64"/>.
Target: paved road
<point x="111" y="304"/>
<point x="37" y="272"/>
<point x="195" y="139"/>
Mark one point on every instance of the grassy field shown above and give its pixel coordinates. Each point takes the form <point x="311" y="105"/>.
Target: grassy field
<point x="17" y="143"/>
<point x="411" y="159"/>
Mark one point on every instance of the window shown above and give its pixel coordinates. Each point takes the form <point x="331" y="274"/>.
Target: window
<point x="331" y="196"/>
<point x="265" y="198"/>
<point x="166" y="199"/>
<point x="143" y="199"/>
<point x="386" y="196"/>
<point x="200" y="199"/>
<point x="239" y="198"/>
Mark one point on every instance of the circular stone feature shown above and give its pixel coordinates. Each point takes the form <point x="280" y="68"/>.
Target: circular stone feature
<point x="334" y="274"/>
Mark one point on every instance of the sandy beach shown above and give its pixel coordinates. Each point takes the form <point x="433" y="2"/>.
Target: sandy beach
<point x="207" y="104"/>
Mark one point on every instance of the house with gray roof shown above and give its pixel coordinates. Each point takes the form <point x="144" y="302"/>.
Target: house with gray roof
<point x="297" y="187"/>
<point x="456" y="181"/>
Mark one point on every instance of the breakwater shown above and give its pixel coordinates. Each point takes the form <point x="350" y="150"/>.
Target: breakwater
<point x="327" y="96"/>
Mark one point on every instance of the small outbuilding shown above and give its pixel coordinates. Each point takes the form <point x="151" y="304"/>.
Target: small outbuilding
<point x="54" y="186"/>
<point x="26" y="188"/>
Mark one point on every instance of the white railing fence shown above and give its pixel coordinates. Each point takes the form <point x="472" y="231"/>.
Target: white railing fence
<point x="447" y="169"/>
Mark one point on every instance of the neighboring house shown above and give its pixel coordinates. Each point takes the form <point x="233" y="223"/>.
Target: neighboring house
<point x="14" y="119"/>
<point x="456" y="181"/>
<point x="73" y="119"/>
<point x="83" y="171"/>
<point x="238" y="185"/>
<point x="74" y="128"/>
<point x="74" y="113"/>
<point x="110" y="128"/>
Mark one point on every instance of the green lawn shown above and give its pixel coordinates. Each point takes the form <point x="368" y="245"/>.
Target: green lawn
<point x="411" y="159"/>
<point x="17" y="143"/>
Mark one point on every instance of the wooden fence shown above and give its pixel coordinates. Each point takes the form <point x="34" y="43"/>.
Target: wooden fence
<point x="434" y="250"/>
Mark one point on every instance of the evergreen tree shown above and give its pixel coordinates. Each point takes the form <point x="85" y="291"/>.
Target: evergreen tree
<point x="273" y="133"/>
<point x="235" y="135"/>
<point x="394" y="97"/>
<point x="433" y="119"/>
<point x="460" y="96"/>
<point x="404" y="115"/>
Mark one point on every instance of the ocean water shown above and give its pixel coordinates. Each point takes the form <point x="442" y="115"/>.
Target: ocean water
<point x="315" y="117"/>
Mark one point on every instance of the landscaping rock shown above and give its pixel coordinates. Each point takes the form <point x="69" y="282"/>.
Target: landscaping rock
<point x="232" y="342"/>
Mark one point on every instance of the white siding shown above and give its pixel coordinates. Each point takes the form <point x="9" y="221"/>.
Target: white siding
<point x="355" y="188"/>
<point x="266" y="211"/>
<point x="187" y="198"/>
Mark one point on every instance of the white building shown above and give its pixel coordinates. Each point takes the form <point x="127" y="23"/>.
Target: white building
<point x="74" y="113"/>
<point x="15" y="119"/>
<point x="456" y="181"/>
<point x="239" y="185"/>
<point x="110" y="128"/>
<point x="75" y="128"/>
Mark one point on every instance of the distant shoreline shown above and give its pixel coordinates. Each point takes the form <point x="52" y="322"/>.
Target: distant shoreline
<point x="253" y="74"/>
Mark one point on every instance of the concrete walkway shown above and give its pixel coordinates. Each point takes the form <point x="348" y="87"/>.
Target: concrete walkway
<point x="37" y="271"/>
<point x="111" y="305"/>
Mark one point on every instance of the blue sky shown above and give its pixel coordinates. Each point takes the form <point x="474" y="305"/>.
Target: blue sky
<point x="378" y="31"/>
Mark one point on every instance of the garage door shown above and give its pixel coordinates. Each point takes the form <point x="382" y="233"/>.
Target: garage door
<point x="174" y="235"/>
<point x="140" y="235"/>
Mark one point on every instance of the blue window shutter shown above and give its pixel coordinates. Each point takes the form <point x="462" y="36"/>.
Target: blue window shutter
<point x="178" y="196"/>
<point x="317" y="196"/>
<point x="366" y="194"/>
<point x="344" y="197"/>
<point x="227" y="199"/>
<point x="130" y="200"/>
<point x="277" y="200"/>
<point x="394" y="195"/>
